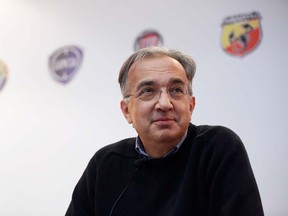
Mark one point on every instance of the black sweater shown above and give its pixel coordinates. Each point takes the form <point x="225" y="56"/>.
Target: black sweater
<point x="209" y="175"/>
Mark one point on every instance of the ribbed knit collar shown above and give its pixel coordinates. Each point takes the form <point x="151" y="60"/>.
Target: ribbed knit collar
<point x="141" y="151"/>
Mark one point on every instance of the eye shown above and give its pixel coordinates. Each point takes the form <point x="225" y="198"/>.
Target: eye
<point x="147" y="91"/>
<point x="176" y="91"/>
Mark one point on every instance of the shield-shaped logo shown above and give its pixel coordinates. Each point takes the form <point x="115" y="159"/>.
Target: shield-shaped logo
<point x="65" y="62"/>
<point x="241" y="33"/>
<point x="3" y="74"/>
<point x="148" y="38"/>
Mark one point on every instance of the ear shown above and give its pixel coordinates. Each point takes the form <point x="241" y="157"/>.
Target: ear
<point x="125" y="111"/>
<point x="192" y="104"/>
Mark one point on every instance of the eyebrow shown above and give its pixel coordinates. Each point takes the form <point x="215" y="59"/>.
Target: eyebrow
<point x="153" y="83"/>
<point x="176" y="81"/>
<point x="145" y="83"/>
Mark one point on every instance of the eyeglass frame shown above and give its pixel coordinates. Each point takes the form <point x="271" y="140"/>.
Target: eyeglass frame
<point x="184" y="91"/>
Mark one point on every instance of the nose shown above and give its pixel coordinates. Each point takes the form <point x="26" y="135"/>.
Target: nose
<point x="164" y="101"/>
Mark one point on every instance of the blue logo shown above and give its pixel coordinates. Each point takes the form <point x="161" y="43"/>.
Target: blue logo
<point x="65" y="62"/>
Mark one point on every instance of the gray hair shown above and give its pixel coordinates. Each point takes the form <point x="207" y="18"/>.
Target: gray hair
<point x="185" y="60"/>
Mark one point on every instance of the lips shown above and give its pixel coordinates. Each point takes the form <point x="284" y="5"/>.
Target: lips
<point x="163" y="119"/>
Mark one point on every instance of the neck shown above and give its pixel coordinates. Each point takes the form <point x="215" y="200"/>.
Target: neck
<point x="159" y="149"/>
<point x="157" y="153"/>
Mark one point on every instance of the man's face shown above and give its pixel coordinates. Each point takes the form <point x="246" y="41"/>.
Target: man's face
<point x="162" y="117"/>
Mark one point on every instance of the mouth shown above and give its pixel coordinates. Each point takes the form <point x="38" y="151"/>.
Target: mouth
<point x="163" y="120"/>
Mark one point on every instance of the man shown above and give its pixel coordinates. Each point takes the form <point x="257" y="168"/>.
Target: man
<point x="173" y="168"/>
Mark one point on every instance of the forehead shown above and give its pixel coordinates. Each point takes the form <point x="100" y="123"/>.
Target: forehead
<point x="157" y="69"/>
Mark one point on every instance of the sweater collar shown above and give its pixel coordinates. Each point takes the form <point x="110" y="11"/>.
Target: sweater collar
<point x="142" y="153"/>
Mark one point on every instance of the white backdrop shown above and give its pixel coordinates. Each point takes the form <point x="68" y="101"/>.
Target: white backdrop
<point x="50" y="131"/>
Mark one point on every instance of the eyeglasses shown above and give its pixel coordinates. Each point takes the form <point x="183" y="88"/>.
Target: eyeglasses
<point x="151" y="93"/>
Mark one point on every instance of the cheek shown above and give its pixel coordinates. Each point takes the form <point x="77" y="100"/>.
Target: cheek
<point x="184" y="111"/>
<point x="141" y="113"/>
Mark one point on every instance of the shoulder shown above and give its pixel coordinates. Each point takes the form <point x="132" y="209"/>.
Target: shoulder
<point x="122" y="148"/>
<point x="204" y="129"/>
<point x="216" y="132"/>
<point x="219" y="138"/>
<point x="219" y="148"/>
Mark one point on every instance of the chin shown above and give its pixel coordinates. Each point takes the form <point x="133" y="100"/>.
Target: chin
<point x="167" y="135"/>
